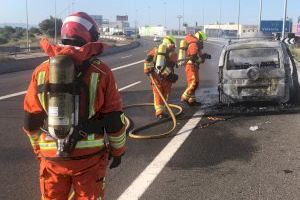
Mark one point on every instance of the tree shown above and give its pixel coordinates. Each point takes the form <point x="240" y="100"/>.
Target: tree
<point x="19" y="33"/>
<point x="6" y="32"/>
<point x="34" y="30"/>
<point x="3" y="40"/>
<point x="47" y="26"/>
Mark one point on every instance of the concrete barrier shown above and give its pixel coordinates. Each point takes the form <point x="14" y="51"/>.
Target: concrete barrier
<point x="119" y="49"/>
<point x="30" y="63"/>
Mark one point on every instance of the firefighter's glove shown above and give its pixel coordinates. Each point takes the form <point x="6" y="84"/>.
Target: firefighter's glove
<point x="116" y="161"/>
<point x="206" y="56"/>
<point x="148" y="68"/>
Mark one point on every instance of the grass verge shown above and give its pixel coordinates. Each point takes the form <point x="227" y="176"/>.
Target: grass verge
<point x="296" y="53"/>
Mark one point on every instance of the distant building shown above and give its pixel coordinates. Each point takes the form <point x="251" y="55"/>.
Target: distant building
<point x="122" y="18"/>
<point x="152" y="31"/>
<point x="296" y="29"/>
<point x="98" y="19"/>
<point x="114" y="27"/>
<point x="228" y="30"/>
<point x="107" y="27"/>
<point x="191" y="30"/>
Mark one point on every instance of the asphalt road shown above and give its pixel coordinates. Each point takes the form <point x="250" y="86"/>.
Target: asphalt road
<point x="222" y="161"/>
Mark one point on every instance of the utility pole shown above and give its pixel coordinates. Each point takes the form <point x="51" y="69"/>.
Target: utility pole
<point x="220" y="18"/>
<point x="55" y="24"/>
<point x="260" y="15"/>
<point x="136" y="22"/>
<point x="149" y="15"/>
<point x="179" y="23"/>
<point x="72" y="6"/>
<point x="183" y="11"/>
<point x="239" y="14"/>
<point x="27" y="30"/>
<point x="165" y="7"/>
<point x="203" y="16"/>
<point x="284" y="20"/>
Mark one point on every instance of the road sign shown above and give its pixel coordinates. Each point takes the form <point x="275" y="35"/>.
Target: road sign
<point x="289" y="40"/>
<point x="273" y="26"/>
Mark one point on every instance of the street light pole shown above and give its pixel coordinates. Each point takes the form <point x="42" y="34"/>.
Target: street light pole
<point x="284" y="20"/>
<point x="182" y="11"/>
<point x="55" y="24"/>
<point x="260" y="15"/>
<point x="203" y="16"/>
<point x="239" y="14"/>
<point x="179" y="23"/>
<point x="220" y="18"/>
<point x="165" y="7"/>
<point x="27" y="31"/>
<point x="149" y="15"/>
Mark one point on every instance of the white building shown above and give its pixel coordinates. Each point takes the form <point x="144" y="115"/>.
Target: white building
<point x="110" y="28"/>
<point x="152" y="31"/>
<point x="229" y="30"/>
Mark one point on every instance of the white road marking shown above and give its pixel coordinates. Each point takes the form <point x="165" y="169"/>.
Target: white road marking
<point x="114" y="69"/>
<point x="126" y="56"/>
<point x="12" y="95"/>
<point x="128" y="65"/>
<point x="129" y="86"/>
<point x="146" y="51"/>
<point x="146" y="178"/>
<point x="24" y="92"/>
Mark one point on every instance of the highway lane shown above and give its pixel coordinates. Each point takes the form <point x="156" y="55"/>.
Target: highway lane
<point x="19" y="172"/>
<point x="18" y="168"/>
<point x="223" y="161"/>
<point x="17" y="81"/>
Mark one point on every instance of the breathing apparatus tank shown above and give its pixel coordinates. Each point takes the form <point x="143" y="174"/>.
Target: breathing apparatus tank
<point x="182" y="51"/>
<point x="62" y="104"/>
<point x="161" y="67"/>
<point x="160" y="62"/>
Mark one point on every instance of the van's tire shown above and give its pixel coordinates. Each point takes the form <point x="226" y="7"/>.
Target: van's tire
<point x="223" y="98"/>
<point x="295" y="90"/>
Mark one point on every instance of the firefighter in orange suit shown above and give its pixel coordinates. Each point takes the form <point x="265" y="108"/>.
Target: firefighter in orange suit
<point x="194" y="57"/>
<point x="160" y="63"/>
<point x="79" y="160"/>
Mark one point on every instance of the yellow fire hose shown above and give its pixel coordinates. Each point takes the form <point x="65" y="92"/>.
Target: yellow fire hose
<point x="133" y="133"/>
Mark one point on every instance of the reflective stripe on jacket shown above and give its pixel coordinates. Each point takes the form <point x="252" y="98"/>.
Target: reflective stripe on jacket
<point x="103" y="98"/>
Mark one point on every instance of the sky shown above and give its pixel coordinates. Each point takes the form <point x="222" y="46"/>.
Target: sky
<point x="153" y="12"/>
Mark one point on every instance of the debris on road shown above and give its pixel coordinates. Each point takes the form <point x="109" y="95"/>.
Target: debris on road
<point x="253" y="128"/>
<point x="216" y="118"/>
<point x="287" y="171"/>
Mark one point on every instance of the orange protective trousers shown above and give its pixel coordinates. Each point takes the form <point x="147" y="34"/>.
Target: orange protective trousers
<point x="192" y="77"/>
<point x="165" y="87"/>
<point x="85" y="176"/>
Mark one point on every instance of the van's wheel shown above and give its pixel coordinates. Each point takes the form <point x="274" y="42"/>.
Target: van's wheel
<point x="224" y="99"/>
